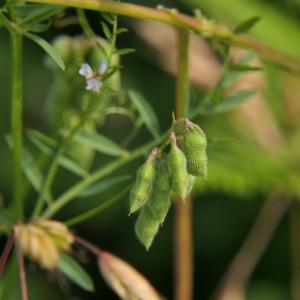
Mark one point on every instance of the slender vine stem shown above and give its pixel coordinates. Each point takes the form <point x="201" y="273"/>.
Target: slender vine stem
<point x="68" y="195"/>
<point x="16" y="121"/>
<point x="95" y="211"/>
<point x="183" y="217"/>
<point x="88" y="31"/>
<point x="185" y="22"/>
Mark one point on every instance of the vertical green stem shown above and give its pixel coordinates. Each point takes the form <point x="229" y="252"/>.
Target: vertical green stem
<point x="183" y="217"/>
<point x="16" y="121"/>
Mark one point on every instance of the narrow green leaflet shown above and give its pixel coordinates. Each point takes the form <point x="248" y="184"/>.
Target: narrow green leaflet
<point x="246" y="25"/>
<point x="106" y="31"/>
<point x="100" y="143"/>
<point x="52" y="52"/>
<point x="124" y="51"/>
<point x="74" y="271"/>
<point x="103" y="185"/>
<point x="31" y="170"/>
<point x="47" y="145"/>
<point x="227" y="103"/>
<point x="146" y="112"/>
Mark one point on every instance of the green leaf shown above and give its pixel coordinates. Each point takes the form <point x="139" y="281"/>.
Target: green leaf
<point x="74" y="271"/>
<point x="228" y="103"/>
<point x="146" y="112"/>
<point x="47" y="145"/>
<point x="100" y="143"/>
<point x="246" y="25"/>
<point x="7" y="217"/>
<point x="124" y="51"/>
<point x="122" y="30"/>
<point x="109" y="18"/>
<point x="245" y="68"/>
<point x="31" y="170"/>
<point x="103" y="185"/>
<point x="33" y="13"/>
<point x="106" y="31"/>
<point x="52" y="52"/>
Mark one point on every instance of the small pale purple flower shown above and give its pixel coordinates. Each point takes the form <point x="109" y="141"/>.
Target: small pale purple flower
<point x="102" y="68"/>
<point x="86" y="71"/>
<point x="94" y="85"/>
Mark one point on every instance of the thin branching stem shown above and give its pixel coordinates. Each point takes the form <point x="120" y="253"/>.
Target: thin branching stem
<point x="185" y="22"/>
<point x="16" y="121"/>
<point x="95" y="211"/>
<point x="68" y="195"/>
<point x="183" y="216"/>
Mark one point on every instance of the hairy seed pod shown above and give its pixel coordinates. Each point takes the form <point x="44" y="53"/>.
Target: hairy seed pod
<point x="146" y="226"/>
<point x="193" y="145"/>
<point x="143" y="185"/>
<point x="177" y="169"/>
<point x="160" y="200"/>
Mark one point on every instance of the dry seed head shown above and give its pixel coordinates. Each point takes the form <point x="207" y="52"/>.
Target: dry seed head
<point x="59" y="232"/>
<point x="43" y="241"/>
<point x="38" y="245"/>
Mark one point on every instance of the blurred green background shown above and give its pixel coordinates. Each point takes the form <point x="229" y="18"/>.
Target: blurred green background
<point x="222" y="217"/>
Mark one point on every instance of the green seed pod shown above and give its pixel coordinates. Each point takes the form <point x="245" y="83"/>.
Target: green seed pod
<point x="160" y="200"/>
<point x="146" y="226"/>
<point x="143" y="185"/>
<point x="177" y="169"/>
<point x="193" y="145"/>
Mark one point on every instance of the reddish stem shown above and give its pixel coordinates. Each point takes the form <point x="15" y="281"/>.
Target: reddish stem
<point x="89" y="246"/>
<point x="22" y="273"/>
<point x="6" y="252"/>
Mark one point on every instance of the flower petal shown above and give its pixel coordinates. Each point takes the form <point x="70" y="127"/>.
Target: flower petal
<point x="102" y="68"/>
<point x="86" y="71"/>
<point x="93" y="85"/>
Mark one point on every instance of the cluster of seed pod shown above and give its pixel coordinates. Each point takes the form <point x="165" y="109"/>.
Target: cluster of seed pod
<point x="43" y="241"/>
<point x="159" y="177"/>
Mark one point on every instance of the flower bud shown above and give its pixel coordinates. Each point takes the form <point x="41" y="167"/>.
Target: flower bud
<point x="38" y="245"/>
<point x="177" y="169"/>
<point x="146" y="226"/>
<point x="193" y="145"/>
<point x="160" y="200"/>
<point x="126" y="281"/>
<point x="143" y="185"/>
<point x="43" y="240"/>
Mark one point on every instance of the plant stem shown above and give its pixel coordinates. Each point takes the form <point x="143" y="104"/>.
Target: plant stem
<point x="88" y="245"/>
<point x="5" y="254"/>
<point x="183" y="217"/>
<point x="16" y="121"/>
<point x="67" y="196"/>
<point x="95" y="211"/>
<point x="185" y="22"/>
<point x="294" y="223"/>
<point x="22" y="273"/>
<point x="88" y="31"/>
<point x="234" y="283"/>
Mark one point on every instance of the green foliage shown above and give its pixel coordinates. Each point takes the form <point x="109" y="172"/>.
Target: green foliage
<point x="73" y="270"/>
